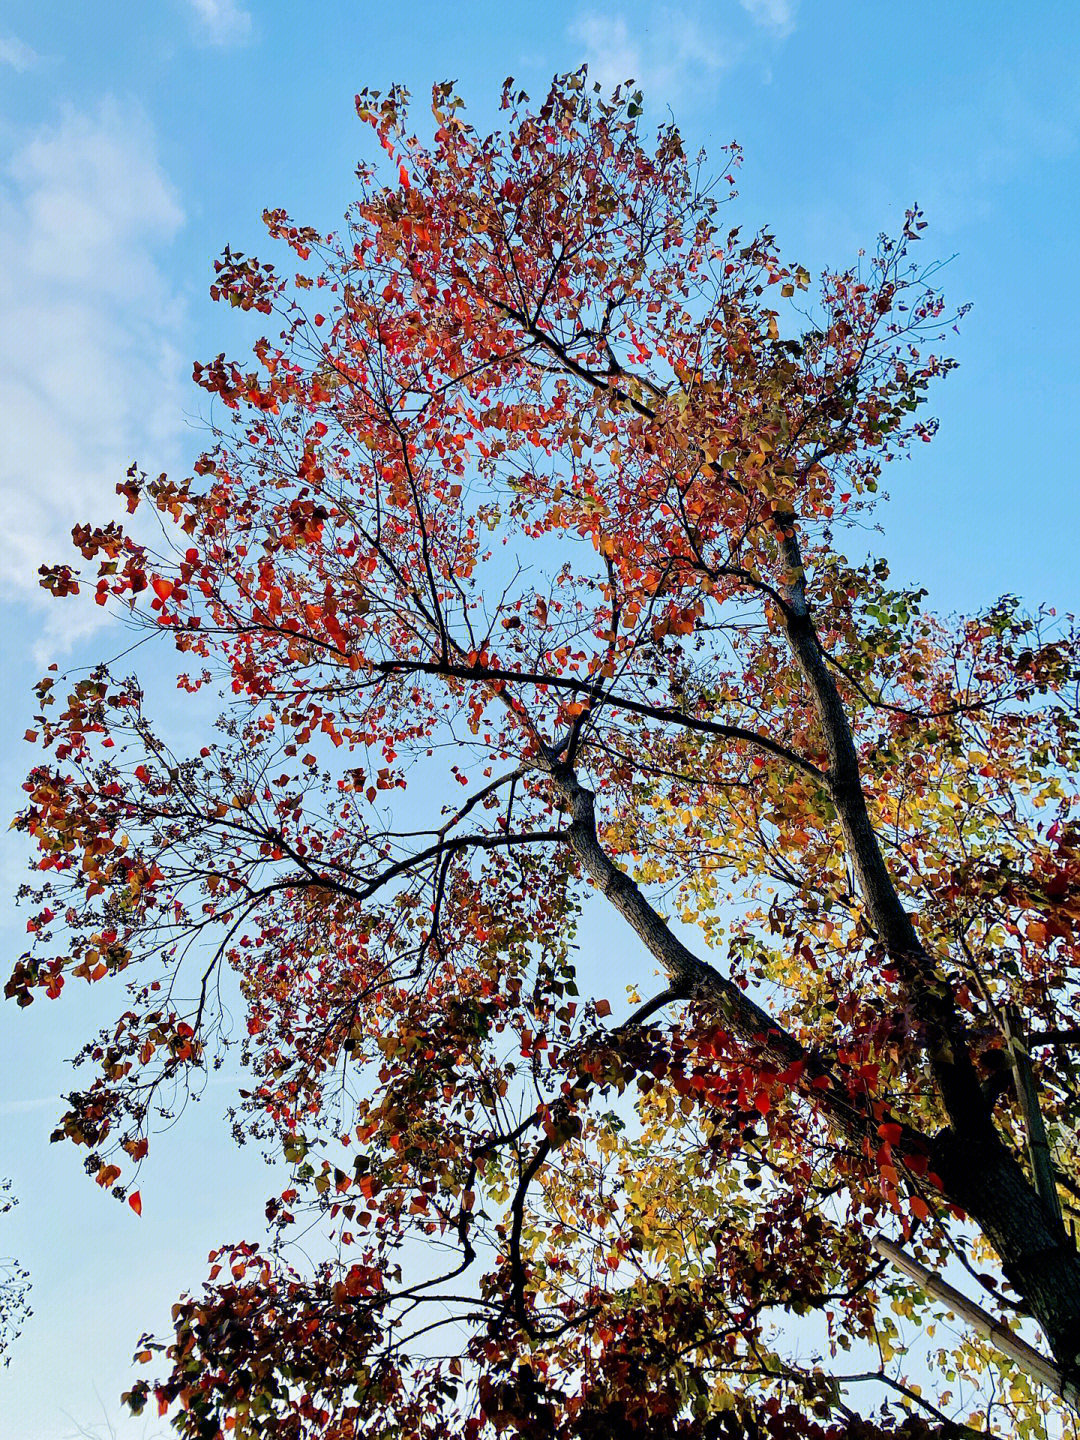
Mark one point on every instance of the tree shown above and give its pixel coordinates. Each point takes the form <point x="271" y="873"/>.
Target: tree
<point x="14" y="1288"/>
<point x="541" y="493"/>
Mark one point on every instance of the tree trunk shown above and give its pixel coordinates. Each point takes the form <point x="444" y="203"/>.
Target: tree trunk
<point x="1040" y="1262"/>
<point x="979" y="1172"/>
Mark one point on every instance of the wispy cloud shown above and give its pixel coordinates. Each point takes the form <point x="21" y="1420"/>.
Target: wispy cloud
<point x="17" y="53"/>
<point x="21" y="1107"/>
<point x="778" y="16"/>
<point x="974" y="146"/>
<point x="670" y="51"/>
<point x="90" y="374"/>
<point x="222" y="22"/>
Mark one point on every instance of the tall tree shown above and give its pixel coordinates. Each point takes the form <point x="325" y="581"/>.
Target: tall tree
<point x="540" y="493"/>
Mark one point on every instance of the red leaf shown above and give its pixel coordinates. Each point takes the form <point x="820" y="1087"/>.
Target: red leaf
<point x="163" y="588"/>
<point x="135" y="1201"/>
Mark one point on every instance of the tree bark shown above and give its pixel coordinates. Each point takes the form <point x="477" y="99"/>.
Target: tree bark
<point x="979" y="1172"/>
<point x="1026" y="1356"/>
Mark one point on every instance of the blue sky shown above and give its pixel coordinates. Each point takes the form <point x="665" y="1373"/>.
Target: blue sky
<point x="137" y="140"/>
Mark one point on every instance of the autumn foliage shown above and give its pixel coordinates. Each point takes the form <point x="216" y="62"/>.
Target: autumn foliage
<point x="517" y="557"/>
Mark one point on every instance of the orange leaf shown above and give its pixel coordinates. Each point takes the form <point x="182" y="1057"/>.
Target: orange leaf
<point x="135" y="1201"/>
<point x="163" y="588"/>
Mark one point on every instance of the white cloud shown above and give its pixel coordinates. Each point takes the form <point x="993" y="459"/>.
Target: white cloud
<point x="612" y="56"/>
<point x="669" y="53"/>
<point x="222" y="22"/>
<point x="90" y="372"/>
<point x="16" y="53"/>
<point x="775" y="15"/>
<point x="983" y="139"/>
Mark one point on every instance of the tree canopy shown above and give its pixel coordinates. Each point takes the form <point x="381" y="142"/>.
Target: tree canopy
<point x="517" y="557"/>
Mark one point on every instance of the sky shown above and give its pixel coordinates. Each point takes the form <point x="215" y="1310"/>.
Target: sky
<point x="137" y="140"/>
